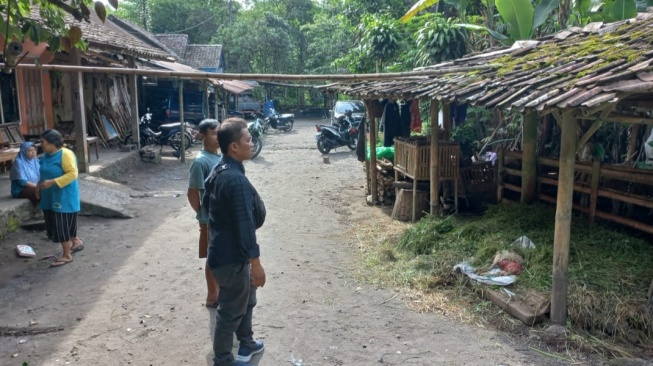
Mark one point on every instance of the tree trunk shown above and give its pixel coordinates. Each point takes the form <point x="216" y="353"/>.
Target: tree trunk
<point x="564" y="11"/>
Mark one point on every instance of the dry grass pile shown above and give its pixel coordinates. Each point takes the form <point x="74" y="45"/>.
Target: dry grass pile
<point x="609" y="270"/>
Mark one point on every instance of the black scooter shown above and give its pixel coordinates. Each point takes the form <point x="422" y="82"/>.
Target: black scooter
<point x="283" y="122"/>
<point x="169" y="134"/>
<point x="342" y="133"/>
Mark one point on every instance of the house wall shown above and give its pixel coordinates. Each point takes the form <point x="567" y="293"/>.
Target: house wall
<point x="45" y="103"/>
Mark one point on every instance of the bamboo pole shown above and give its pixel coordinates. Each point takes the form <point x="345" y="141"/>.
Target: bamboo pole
<point x="632" y="143"/>
<point x="268" y="77"/>
<point x="215" y="106"/>
<point x="373" y="180"/>
<point x="529" y="158"/>
<point x="500" y="160"/>
<point x="133" y="99"/>
<point x="594" y="189"/>
<point x="435" y="157"/>
<point x="564" y="204"/>
<point x="625" y="118"/>
<point x="182" y="125"/>
<point x="206" y="99"/>
<point x="79" y="114"/>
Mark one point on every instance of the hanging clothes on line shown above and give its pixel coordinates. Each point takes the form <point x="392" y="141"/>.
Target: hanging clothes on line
<point x="391" y="121"/>
<point x="415" y="116"/>
<point x="404" y="110"/>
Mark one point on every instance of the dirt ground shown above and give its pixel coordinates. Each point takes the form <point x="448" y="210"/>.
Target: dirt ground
<point x="135" y="295"/>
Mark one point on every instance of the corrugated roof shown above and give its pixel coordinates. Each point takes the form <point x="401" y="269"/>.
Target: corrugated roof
<point x="589" y="68"/>
<point x="203" y="56"/>
<point x="232" y="86"/>
<point x="110" y="37"/>
<point x="176" y="42"/>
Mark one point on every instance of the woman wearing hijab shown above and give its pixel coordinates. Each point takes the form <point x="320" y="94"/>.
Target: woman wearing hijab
<point x="59" y="192"/>
<point x="25" y="173"/>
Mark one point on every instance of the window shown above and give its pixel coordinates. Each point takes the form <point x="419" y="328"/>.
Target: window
<point x="9" y="96"/>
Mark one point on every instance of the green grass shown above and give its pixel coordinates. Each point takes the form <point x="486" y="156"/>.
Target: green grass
<point x="609" y="270"/>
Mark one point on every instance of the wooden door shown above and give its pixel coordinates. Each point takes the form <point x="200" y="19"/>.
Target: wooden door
<point x="34" y="103"/>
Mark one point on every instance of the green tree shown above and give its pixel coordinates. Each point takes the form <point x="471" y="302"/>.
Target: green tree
<point x="136" y="11"/>
<point x="200" y="20"/>
<point x="17" y="20"/>
<point x="380" y="38"/>
<point x="323" y="50"/>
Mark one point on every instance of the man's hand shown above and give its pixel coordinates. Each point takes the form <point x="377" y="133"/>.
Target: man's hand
<point x="258" y="273"/>
<point x="47" y="183"/>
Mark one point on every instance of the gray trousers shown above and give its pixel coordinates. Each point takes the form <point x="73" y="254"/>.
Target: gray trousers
<point x="236" y="301"/>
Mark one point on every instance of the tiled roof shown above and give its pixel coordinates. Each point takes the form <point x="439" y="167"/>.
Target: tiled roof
<point x="175" y="42"/>
<point x="203" y="56"/>
<point x="109" y="37"/>
<point x="591" y="68"/>
<point x="141" y="34"/>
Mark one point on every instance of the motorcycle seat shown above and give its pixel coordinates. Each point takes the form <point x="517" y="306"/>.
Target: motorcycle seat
<point x="169" y="126"/>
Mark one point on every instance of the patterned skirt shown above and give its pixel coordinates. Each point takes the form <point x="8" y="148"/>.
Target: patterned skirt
<point x="61" y="227"/>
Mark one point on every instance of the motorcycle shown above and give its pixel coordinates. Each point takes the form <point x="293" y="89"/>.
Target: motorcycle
<point x="191" y="128"/>
<point x="283" y="122"/>
<point x="169" y="134"/>
<point x="342" y="133"/>
<point x="255" y="129"/>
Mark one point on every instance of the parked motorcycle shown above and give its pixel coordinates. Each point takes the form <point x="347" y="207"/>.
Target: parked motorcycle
<point x="191" y="128"/>
<point x="255" y="129"/>
<point x="283" y="122"/>
<point x="342" y="133"/>
<point x="169" y="134"/>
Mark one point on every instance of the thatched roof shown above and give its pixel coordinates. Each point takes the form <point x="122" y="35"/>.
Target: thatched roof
<point x="588" y="68"/>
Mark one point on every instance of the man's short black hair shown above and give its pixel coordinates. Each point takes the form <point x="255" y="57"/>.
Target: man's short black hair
<point x="230" y="130"/>
<point x="208" y="124"/>
<point x="53" y="137"/>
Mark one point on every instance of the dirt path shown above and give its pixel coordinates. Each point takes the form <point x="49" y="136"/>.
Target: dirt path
<point x="135" y="295"/>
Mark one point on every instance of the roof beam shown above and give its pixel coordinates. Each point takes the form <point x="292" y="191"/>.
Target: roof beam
<point x="268" y="77"/>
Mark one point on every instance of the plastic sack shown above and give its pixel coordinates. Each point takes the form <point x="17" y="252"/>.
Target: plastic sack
<point x="383" y="152"/>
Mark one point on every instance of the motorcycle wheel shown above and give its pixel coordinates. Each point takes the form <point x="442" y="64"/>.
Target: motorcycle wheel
<point x="353" y="141"/>
<point x="175" y="141"/>
<point x="289" y="126"/>
<point x="258" y="145"/>
<point x="322" y="145"/>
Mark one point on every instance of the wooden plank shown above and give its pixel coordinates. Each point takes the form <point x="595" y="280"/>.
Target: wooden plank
<point x="79" y="115"/>
<point x="563" y="219"/>
<point x="435" y="158"/>
<point x="512" y="187"/>
<point x="512" y="171"/>
<point x="133" y="105"/>
<point x="529" y="158"/>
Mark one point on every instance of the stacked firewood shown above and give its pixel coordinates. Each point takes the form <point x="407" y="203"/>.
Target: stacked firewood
<point x="110" y="101"/>
<point x="384" y="180"/>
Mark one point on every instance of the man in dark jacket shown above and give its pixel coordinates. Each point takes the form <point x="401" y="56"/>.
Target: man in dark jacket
<point x="234" y="215"/>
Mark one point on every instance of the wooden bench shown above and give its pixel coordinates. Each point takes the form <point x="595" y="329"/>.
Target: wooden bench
<point x="90" y="140"/>
<point x="8" y="155"/>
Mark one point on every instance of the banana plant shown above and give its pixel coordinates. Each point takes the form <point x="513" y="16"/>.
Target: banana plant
<point x="586" y="11"/>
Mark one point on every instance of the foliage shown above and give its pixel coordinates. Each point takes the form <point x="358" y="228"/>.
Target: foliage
<point x="136" y="11"/>
<point x="200" y="20"/>
<point x="380" y="38"/>
<point x="323" y="50"/>
<point x="17" y="21"/>
<point x="440" y="40"/>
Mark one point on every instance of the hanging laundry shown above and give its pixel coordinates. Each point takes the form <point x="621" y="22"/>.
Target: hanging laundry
<point x="405" y="119"/>
<point x="391" y="123"/>
<point x="415" y="116"/>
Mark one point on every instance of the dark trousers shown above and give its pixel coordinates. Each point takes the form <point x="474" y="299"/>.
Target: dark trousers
<point x="29" y="193"/>
<point x="236" y="301"/>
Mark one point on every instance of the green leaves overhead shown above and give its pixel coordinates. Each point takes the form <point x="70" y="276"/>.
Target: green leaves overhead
<point x="419" y="6"/>
<point x="623" y="9"/>
<point x="519" y="16"/>
<point x="542" y="11"/>
<point x="440" y="40"/>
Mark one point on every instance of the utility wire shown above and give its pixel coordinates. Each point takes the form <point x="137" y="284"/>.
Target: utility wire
<point x="189" y="28"/>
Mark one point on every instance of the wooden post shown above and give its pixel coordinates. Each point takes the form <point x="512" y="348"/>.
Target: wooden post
<point x="225" y="106"/>
<point x="373" y="172"/>
<point x="529" y="158"/>
<point x="133" y="101"/>
<point x="446" y="123"/>
<point x="206" y="99"/>
<point x="435" y="157"/>
<point x="182" y="126"/>
<point x="215" y="106"/>
<point x="79" y="113"/>
<point x="500" y="160"/>
<point x="568" y="124"/>
<point x="632" y="143"/>
<point x="594" y="189"/>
